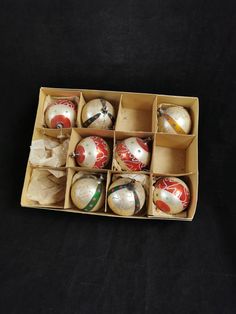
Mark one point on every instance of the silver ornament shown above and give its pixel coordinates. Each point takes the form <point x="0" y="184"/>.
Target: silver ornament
<point x="174" y="119"/>
<point x="88" y="193"/>
<point x="98" y="113"/>
<point x="61" y="114"/>
<point x="126" y="197"/>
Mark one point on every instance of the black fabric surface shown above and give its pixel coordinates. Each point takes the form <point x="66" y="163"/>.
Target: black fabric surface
<point x="52" y="262"/>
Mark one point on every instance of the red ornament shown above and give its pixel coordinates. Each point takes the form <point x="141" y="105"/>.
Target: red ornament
<point x="60" y="114"/>
<point x="132" y="154"/>
<point x="92" y="152"/>
<point x="171" y="195"/>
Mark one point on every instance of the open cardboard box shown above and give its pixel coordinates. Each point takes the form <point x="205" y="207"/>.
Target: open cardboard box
<point x="136" y="115"/>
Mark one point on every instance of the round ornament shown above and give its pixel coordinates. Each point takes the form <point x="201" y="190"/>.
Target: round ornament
<point x="171" y="195"/>
<point x="132" y="154"/>
<point x="88" y="193"/>
<point x="92" y="152"/>
<point x="98" y="113"/>
<point x="60" y="114"/>
<point x="126" y="197"/>
<point x="175" y="120"/>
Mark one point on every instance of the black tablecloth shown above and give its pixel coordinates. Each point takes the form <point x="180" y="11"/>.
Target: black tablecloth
<point x="52" y="262"/>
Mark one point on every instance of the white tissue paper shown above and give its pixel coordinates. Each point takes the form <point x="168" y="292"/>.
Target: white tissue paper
<point x="48" y="152"/>
<point x="47" y="187"/>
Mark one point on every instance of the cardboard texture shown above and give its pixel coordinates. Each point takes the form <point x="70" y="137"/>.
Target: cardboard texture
<point x="136" y="115"/>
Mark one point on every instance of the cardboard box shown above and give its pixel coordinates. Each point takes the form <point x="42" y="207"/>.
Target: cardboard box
<point x="172" y="154"/>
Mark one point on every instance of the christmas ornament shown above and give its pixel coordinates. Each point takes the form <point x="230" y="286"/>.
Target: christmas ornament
<point x="174" y="119"/>
<point x="88" y="193"/>
<point x="126" y="197"/>
<point x="171" y="195"/>
<point x="60" y="114"/>
<point x="132" y="154"/>
<point x="98" y="113"/>
<point x="92" y="152"/>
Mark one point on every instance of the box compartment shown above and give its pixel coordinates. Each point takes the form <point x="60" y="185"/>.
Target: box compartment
<point x="135" y="113"/>
<point x="174" y="154"/>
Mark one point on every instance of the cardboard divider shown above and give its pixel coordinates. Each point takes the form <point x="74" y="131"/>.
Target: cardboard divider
<point x="154" y="116"/>
<point x="119" y="136"/>
<point x="110" y="179"/>
<point x="78" y="134"/>
<point x="54" y="93"/>
<point x="135" y="113"/>
<point x="192" y="182"/>
<point x="25" y="201"/>
<point x="71" y="172"/>
<point x="86" y="96"/>
<point x="54" y="133"/>
<point x="174" y="154"/>
<point x="189" y="103"/>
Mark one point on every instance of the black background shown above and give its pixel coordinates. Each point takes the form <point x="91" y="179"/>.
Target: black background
<point x="62" y="263"/>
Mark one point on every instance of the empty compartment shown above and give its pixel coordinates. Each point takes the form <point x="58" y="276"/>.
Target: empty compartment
<point x="78" y="135"/>
<point x="44" y="188"/>
<point x="135" y="112"/>
<point x="92" y="196"/>
<point x="191" y="104"/>
<point x="174" y="154"/>
<point x="87" y="95"/>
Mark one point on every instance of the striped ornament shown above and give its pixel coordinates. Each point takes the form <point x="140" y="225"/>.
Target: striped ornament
<point x="88" y="193"/>
<point x="175" y="120"/>
<point x="126" y="197"/>
<point x="171" y="195"/>
<point x="99" y="114"/>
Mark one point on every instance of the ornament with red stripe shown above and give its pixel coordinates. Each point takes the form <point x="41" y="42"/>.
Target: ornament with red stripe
<point x="61" y="114"/>
<point x="92" y="152"/>
<point x="171" y="195"/>
<point x="132" y="154"/>
<point x="174" y="119"/>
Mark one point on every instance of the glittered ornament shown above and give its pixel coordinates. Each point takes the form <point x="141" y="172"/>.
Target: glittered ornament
<point x="92" y="152"/>
<point x="171" y="195"/>
<point x="126" y="197"/>
<point x="174" y="119"/>
<point x="132" y="154"/>
<point x="88" y="193"/>
<point x="61" y="114"/>
<point x="98" y="113"/>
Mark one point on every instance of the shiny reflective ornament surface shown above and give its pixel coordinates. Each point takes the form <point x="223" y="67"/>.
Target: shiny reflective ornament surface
<point x="88" y="193"/>
<point x="171" y="195"/>
<point x="92" y="152"/>
<point x="61" y="114"/>
<point x="98" y="113"/>
<point x="174" y="119"/>
<point x="132" y="154"/>
<point x="126" y="197"/>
